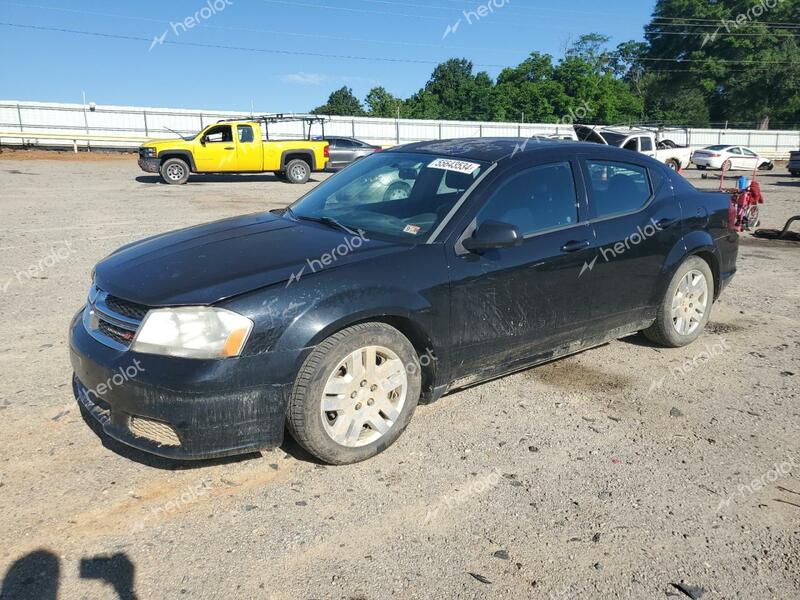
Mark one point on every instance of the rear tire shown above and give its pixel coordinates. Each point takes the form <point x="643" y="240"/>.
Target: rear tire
<point x="297" y="171"/>
<point x="355" y="393"/>
<point x="174" y="171"/>
<point x="726" y="166"/>
<point x="686" y="306"/>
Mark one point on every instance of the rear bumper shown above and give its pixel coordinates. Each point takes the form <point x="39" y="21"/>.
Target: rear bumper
<point x="149" y="165"/>
<point x="178" y="408"/>
<point x="702" y="161"/>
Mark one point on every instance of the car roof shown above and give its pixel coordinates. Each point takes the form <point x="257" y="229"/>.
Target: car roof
<point x="494" y="149"/>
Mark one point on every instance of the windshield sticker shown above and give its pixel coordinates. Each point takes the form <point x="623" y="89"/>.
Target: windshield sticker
<point x="460" y="166"/>
<point x="412" y="229"/>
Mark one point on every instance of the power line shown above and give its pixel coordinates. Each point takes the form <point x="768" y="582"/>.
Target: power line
<point x="251" y="30"/>
<point x="229" y="47"/>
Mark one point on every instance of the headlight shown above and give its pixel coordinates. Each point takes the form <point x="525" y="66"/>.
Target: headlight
<point x="149" y="152"/>
<point x="193" y="332"/>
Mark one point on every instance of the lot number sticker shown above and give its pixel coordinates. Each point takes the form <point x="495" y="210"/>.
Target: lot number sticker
<point x="460" y="166"/>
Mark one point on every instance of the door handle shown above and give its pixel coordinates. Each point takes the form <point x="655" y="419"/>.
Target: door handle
<point x="230" y="148"/>
<point x="575" y="245"/>
<point x="664" y="223"/>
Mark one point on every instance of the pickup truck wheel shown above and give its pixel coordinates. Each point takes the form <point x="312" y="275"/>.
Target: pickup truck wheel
<point x="297" y="171"/>
<point x="674" y="164"/>
<point x="355" y="393"/>
<point x="174" y="171"/>
<point x="686" y="306"/>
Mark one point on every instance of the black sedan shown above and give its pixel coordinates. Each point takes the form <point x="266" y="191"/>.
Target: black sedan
<point x="338" y="315"/>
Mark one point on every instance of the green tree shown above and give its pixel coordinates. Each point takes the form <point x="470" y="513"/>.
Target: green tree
<point x="743" y="63"/>
<point x="343" y="103"/>
<point x="381" y="103"/>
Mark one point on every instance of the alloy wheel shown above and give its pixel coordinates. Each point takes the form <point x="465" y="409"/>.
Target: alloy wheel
<point x="690" y="303"/>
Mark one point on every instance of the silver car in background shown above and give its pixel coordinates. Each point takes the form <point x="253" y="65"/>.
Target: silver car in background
<point x="345" y="150"/>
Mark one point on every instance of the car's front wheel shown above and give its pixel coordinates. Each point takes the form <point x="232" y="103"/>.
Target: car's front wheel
<point x="174" y="171"/>
<point x="355" y="393"/>
<point x="686" y="306"/>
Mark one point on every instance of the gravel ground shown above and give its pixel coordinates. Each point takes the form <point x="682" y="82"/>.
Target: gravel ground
<point x="627" y="471"/>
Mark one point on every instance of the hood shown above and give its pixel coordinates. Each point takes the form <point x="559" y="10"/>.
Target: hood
<point x="589" y="134"/>
<point x="219" y="260"/>
<point x="170" y="144"/>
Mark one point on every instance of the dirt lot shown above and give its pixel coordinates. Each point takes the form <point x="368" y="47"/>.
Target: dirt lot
<point x="627" y="471"/>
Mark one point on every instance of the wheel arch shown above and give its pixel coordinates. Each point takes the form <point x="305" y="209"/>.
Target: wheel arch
<point x="407" y="325"/>
<point x="696" y="243"/>
<point x="182" y="154"/>
<point x="306" y="155"/>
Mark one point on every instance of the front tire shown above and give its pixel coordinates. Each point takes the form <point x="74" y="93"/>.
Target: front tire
<point x="297" y="171"/>
<point x="686" y="306"/>
<point x="674" y="165"/>
<point x="174" y="171"/>
<point x="355" y="394"/>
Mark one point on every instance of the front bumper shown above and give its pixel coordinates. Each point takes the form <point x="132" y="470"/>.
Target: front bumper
<point x="181" y="408"/>
<point x="149" y="165"/>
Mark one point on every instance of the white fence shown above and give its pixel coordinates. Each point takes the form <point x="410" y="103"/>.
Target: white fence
<point x="126" y="126"/>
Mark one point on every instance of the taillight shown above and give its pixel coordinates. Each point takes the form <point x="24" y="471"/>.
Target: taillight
<point x="378" y="148"/>
<point x="714" y="155"/>
<point x="326" y="153"/>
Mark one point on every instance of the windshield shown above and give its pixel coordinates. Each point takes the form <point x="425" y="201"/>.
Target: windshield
<point x="396" y="194"/>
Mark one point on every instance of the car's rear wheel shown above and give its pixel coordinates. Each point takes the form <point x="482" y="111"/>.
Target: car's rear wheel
<point x="726" y="166"/>
<point x="297" y="171"/>
<point x="686" y="306"/>
<point x="355" y="393"/>
<point x="174" y="171"/>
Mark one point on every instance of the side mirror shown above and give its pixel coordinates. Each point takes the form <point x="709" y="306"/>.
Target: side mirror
<point x="491" y="235"/>
<point x="203" y="141"/>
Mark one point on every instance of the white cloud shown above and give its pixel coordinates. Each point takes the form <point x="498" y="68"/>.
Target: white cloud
<point x="304" y="78"/>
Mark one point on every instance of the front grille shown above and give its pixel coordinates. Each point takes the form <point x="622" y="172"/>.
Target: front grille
<point x="118" y="334"/>
<point x="112" y="320"/>
<point x="155" y="431"/>
<point x="125" y="308"/>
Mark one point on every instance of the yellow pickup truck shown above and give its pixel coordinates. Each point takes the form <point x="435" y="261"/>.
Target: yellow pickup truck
<point x="237" y="146"/>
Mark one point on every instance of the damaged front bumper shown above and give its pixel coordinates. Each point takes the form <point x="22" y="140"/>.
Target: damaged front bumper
<point x="182" y="408"/>
<point x="149" y="165"/>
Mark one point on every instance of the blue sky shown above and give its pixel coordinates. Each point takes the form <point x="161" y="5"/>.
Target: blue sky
<point x="155" y="59"/>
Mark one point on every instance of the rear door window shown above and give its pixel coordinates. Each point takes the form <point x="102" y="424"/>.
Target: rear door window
<point x="617" y="188"/>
